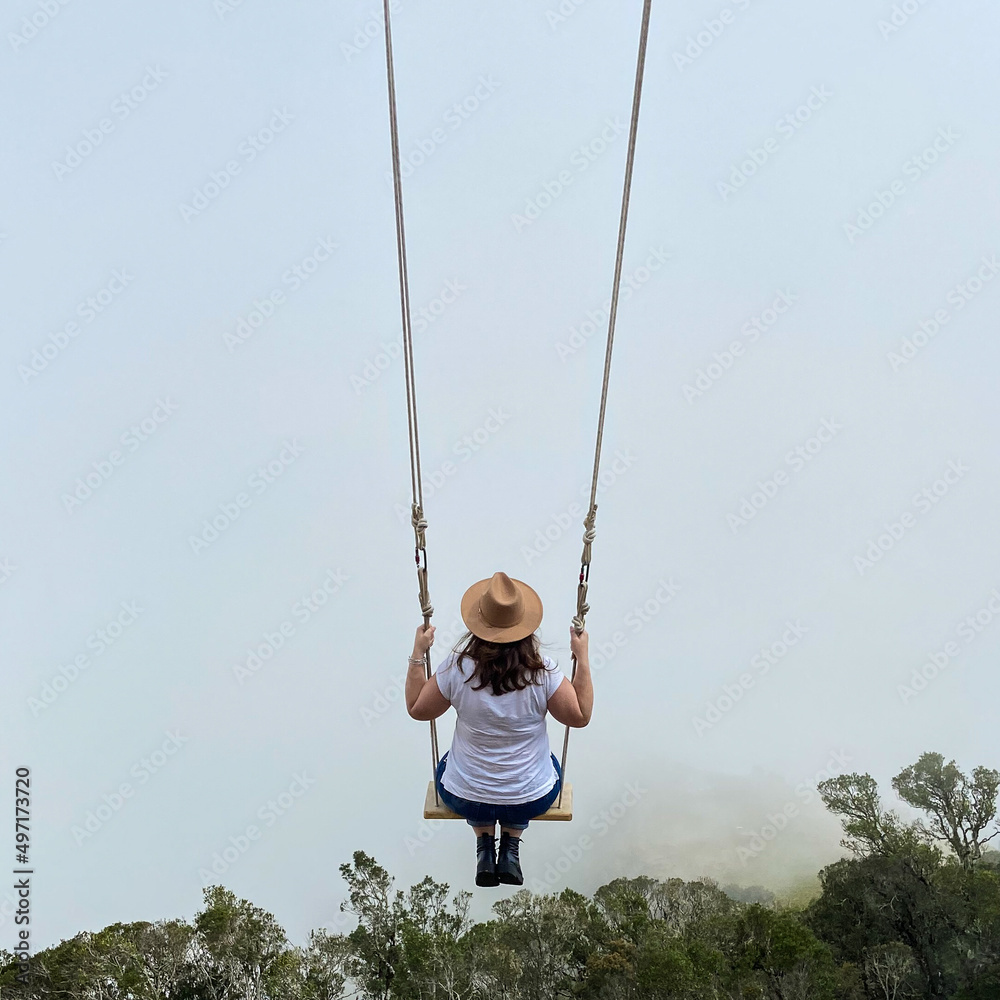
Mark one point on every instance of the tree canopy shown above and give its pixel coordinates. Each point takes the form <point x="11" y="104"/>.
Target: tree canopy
<point x="913" y="912"/>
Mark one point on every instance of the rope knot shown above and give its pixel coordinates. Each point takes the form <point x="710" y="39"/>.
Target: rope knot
<point x="582" y="607"/>
<point x="589" y="534"/>
<point x="419" y="523"/>
<point x="423" y="593"/>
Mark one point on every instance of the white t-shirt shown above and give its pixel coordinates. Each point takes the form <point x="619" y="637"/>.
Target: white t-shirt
<point x="500" y="752"/>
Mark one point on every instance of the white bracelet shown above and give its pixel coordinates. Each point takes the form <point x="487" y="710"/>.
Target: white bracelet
<point x="410" y="658"/>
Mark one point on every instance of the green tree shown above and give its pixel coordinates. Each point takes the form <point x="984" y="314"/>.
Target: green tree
<point x="549" y="937"/>
<point x="406" y="944"/>
<point x="71" y="968"/>
<point x="870" y="829"/>
<point x="782" y="955"/>
<point x="891" y="971"/>
<point x="323" y="962"/>
<point x="240" y="952"/>
<point x="960" y="808"/>
<point x="376" y="943"/>
<point x="913" y="919"/>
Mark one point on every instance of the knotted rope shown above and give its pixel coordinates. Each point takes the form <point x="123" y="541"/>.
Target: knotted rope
<point x="417" y="518"/>
<point x="590" y="533"/>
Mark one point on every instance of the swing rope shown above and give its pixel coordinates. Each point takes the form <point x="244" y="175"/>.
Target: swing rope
<point x="590" y="532"/>
<point x="417" y="518"/>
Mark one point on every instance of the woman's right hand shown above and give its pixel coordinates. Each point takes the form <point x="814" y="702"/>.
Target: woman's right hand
<point x="579" y="644"/>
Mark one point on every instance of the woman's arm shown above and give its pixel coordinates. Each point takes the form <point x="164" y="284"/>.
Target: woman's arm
<point x="424" y="700"/>
<point x="573" y="704"/>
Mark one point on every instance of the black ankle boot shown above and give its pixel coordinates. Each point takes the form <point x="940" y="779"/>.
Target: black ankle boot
<point x="508" y="864"/>
<point x="486" y="860"/>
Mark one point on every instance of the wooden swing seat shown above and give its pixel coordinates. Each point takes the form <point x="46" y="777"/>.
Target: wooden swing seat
<point x="564" y="812"/>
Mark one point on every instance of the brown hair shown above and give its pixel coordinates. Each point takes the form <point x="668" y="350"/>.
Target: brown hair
<point x="504" y="666"/>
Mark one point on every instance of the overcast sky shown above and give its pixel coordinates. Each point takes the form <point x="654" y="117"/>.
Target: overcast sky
<point x="206" y="451"/>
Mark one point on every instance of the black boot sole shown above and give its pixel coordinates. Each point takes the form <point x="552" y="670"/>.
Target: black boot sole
<point x="486" y="880"/>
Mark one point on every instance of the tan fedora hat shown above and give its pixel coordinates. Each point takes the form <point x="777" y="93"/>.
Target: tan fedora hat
<point x="501" y="609"/>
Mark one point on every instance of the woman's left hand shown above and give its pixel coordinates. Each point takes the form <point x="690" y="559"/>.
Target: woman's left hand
<point x="423" y="641"/>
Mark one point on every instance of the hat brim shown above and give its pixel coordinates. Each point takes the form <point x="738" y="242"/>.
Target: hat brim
<point x="529" y="622"/>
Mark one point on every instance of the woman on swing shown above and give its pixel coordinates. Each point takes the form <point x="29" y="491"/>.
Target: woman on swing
<point x="500" y="768"/>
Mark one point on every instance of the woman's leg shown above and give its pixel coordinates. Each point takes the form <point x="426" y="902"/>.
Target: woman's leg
<point x="482" y="819"/>
<point x="508" y="867"/>
<point x="486" y="852"/>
